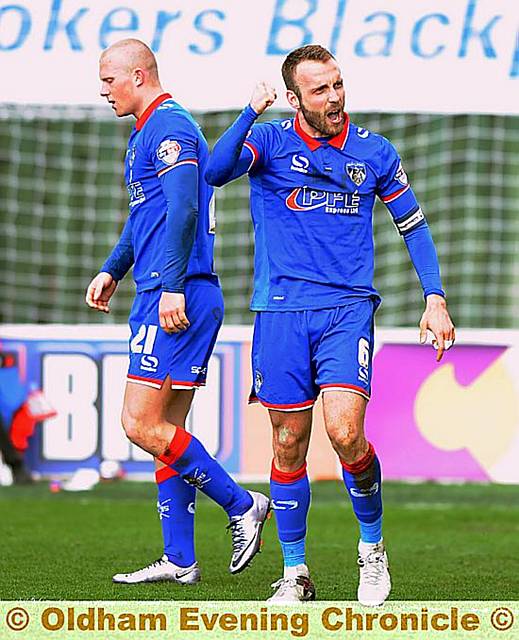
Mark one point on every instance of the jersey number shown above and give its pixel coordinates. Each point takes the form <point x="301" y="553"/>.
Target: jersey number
<point x="146" y="334"/>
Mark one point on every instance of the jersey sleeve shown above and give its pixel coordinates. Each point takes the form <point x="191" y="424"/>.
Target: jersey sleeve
<point x="240" y="149"/>
<point x="172" y="143"/>
<point x="258" y="142"/>
<point x="394" y="190"/>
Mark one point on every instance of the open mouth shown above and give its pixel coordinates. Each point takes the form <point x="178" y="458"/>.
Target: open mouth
<point x="335" y="117"/>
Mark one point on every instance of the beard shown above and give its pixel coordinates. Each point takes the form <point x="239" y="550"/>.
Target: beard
<point x="323" y="122"/>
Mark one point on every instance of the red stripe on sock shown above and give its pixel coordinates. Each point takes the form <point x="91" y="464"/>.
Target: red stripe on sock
<point x="362" y="463"/>
<point x="165" y="473"/>
<point x="177" y="447"/>
<point x="286" y="477"/>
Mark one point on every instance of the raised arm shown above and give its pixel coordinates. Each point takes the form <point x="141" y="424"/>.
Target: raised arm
<point x="232" y="156"/>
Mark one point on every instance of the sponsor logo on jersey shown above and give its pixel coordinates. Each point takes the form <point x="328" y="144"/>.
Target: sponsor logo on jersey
<point x="168" y="151"/>
<point x="286" y="125"/>
<point x="149" y="363"/>
<point x="401" y="175"/>
<point x="356" y="172"/>
<point x="136" y="193"/>
<point x="362" y="133"/>
<point x="131" y="156"/>
<point x="285" y="505"/>
<point x="299" y="163"/>
<point x="364" y="493"/>
<point x="334" y="202"/>
<point x="258" y="381"/>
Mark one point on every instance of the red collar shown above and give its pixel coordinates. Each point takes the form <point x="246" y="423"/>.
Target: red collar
<point x="150" y="109"/>
<point x="337" y="141"/>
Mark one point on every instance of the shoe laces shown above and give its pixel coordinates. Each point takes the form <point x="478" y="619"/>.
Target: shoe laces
<point x="372" y="567"/>
<point x="238" y="535"/>
<point x="157" y="563"/>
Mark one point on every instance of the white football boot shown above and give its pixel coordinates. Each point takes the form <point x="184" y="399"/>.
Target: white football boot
<point x="246" y="532"/>
<point x="375" y="582"/>
<point x="294" y="586"/>
<point x="161" y="570"/>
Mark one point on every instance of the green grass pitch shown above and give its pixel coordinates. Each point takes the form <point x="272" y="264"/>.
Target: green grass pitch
<point x="445" y="543"/>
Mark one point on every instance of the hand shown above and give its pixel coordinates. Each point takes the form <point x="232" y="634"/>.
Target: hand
<point x="436" y="318"/>
<point x="99" y="292"/>
<point x="172" y="314"/>
<point x="262" y="97"/>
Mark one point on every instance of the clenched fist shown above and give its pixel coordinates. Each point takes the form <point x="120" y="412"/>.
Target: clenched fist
<point x="262" y="97"/>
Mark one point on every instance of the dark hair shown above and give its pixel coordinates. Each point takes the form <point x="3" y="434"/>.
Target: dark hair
<point x="308" y="52"/>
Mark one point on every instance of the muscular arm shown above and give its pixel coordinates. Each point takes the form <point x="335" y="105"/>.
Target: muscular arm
<point x="230" y="159"/>
<point x="121" y="259"/>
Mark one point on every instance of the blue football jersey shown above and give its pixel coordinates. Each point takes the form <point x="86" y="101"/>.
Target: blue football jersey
<point x="163" y="138"/>
<point x="312" y="203"/>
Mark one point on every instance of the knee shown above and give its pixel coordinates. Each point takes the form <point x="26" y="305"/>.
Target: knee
<point x="346" y="438"/>
<point x="135" y="426"/>
<point x="289" y="448"/>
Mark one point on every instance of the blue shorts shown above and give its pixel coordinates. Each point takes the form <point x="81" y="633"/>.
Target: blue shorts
<point x="184" y="356"/>
<point x="295" y="354"/>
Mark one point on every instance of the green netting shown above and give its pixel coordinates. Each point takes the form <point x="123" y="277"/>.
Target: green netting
<point x="64" y="204"/>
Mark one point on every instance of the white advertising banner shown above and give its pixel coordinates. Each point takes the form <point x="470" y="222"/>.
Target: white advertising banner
<point x="455" y="56"/>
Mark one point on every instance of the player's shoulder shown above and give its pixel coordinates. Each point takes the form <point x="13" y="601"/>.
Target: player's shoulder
<point x="274" y="130"/>
<point x="171" y="117"/>
<point x="370" y="145"/>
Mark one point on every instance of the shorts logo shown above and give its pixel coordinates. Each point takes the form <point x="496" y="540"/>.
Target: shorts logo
<point x="300" y="163"/>
<point x="401" y="175"/>
<point x="364" y="493"/>
<point x="149" y="363"/>
<point x="285" y="505"/>
<point x="356" y="171"/>
<point x="258" y="381"/>
<point x="168" y="151"/>
<point x="198" y="371"/>
<point x="191" y="507"/>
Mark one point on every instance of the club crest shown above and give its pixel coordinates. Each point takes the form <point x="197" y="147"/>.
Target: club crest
<point x="356" y="172"/>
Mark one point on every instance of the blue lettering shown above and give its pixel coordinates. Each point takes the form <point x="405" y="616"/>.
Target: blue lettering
<point x="163" y="19"/>
<point x="514" y="71"/>
<point x="215" y="36"/>
<point x="470" y="32"/>
<point x="386" y="37"/>
<point x="337" y="27"/>
<point x="25" y="26"/>
<point x="109" y="25"/>
<point x="417" y="34"/>
<point x="70" y="27"/>
<point x="281" y="23"/>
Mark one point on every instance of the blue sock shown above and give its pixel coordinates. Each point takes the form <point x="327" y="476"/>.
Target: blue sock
<point x="290" y="494"/>
<point x="363" y="481"/>
<point x="176" y="507"/>
<point x="187" y="455"/>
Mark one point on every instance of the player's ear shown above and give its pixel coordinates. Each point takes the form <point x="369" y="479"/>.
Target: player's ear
<point x="293" y="100"/>
<point x="138" y="77"/>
